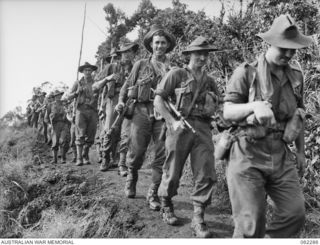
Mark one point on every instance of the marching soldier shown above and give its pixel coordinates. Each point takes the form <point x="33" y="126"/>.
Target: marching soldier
<point x="56" y="115"/>
<point x="139" y="87"/>
<point x="101" y="105"/>
<point x="85" y="91"/>
<point x="29" y="112"/>
<point x="265" y="100"/>
<point x="34" y="111"/>
<point x="195" y="95"/>
<point x="111" y="135"/>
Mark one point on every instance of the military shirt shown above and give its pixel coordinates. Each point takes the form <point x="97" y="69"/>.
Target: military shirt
<point x="180" y="85"/>
<point x="87" y="96"/>
<point x="285" y="99"/>
<point x="141" y="71"/>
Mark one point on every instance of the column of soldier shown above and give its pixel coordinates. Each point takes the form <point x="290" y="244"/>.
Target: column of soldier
<point x="132" y="103"/>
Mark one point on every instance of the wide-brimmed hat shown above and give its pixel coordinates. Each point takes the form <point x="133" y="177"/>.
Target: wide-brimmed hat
<point x="285" y="34"/>
<point x="114" y="52"/>
<point x="148" y="38"/>
<point x="87" y="65"/>
<point x="199" y="44"/>
<point x="56" y="93"/>
<point x="127" y="46"/>
<point x="106" y="58"/>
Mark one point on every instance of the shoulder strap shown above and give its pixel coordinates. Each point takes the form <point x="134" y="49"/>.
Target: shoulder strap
<point x="196" y="94"/>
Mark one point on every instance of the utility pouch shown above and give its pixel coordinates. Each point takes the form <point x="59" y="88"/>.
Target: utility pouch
<point x="133" y="92"/>
<point x="255" y="131"/>
<point x="130" y="110"/>
<point x="210" y="105"/>
<point x="294" y="126"/>
<point x="223" y="146"/>
<point x="111" y="89"/>
<point x="183" y="98"/>
<point x="144" y="91"/>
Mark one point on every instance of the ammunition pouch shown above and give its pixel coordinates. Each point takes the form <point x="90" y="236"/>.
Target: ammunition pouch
<point x="184" y="98"/>
<point x="294" y="126"/>
<point x="223" y="145"/>
<point x="210" y="105"/>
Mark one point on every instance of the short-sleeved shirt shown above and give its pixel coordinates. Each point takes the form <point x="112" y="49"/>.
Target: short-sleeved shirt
<point x="284" y="98"/>
<point x="141" y="70"/>
<point x="181" y="79"/>
<point x="87" y="96"/>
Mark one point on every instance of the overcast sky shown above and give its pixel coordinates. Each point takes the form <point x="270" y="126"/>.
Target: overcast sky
<point x="40" y="41"/>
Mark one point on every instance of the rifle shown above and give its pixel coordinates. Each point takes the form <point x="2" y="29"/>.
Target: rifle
<point x="178" y="115"/>
<point x="107" y="141"/>
<point x="117" y="122"/>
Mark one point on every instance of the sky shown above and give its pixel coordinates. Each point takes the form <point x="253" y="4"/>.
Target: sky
<point x="40" y="41"/>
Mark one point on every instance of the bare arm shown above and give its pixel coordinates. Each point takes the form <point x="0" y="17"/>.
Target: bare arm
<point x="261" y="110"/>
<point x="160" y="107"/>
<point x="101" y="83"/>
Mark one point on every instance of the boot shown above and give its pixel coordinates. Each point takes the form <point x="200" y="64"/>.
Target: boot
<point x="105" y="164"/>
<point x="55" y="157"/>
<point x="153" y="199"/>
<point x="63" y="155"/>
<point x="79" y="155"/>
<point x="198" y="225"/>
<point x="131" y="182"/>
<point x="167" y="212"/>
<point x="98" y="146"/>
<point x="85" y="155"/>
<point x="74" y="150"/>
<point x="123" y="171"/>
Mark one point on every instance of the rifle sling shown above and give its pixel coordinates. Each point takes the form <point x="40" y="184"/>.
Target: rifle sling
<point x="196" y="94"/>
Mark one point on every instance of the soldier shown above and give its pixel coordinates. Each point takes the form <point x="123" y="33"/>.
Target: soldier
<point x="265" y="100"/>
<point x="101" y="105"/>
<point x="42" y="110"/>
<point x="123" y="69"/>
<point x="196" y="95"/>
<point x="34" y="111"/>
<point x="56" y="115"/>
<point x="29" y="112"/>
<point x="139" y="87"/>
<point x="86" y="93"/>
<point x="72" y="145"/>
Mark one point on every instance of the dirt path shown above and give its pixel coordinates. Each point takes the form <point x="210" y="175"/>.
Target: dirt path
<point x="101" y="188"/>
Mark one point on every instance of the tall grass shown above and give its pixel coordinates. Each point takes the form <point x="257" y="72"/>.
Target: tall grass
<point x="15" y="158"/>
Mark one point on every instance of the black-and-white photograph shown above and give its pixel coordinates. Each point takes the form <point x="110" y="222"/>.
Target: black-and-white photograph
<point x="159" y="119"/>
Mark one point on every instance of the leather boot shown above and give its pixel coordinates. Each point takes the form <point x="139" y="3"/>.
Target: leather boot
<point x="63" y="155"/>
<point x="123" y="171"/>
<point x="131" y="182"/>
<point x="198" y="225"/>
<point x="55" y="157"/>
<point x="105" y="164"/>
<point x="152" y="198"/>
<point x="85" y="154"/>
<point x="167" y="211"/>
<point x="79" y="155"/>
<point x="74" y="150"/>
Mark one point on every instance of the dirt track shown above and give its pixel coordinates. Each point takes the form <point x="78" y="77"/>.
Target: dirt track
<point x="86" y="189"/>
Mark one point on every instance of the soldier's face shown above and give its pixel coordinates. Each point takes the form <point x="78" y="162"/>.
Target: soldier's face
<point x="128" y="55"/>
<point x="199" y="58"/>
<point x="280" y="56"/>
<point x="159" y="45"/>
<point x="87" y="72"/>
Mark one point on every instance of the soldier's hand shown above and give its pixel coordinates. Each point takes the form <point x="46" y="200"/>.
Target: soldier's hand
<point x="113" y="77"/>
<point x="119" y="107"/>
<point x="263" y="113"/>
<point x="79" y="90"/>
<point x="301" y="163"/>
<point x="177" y="125"/>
